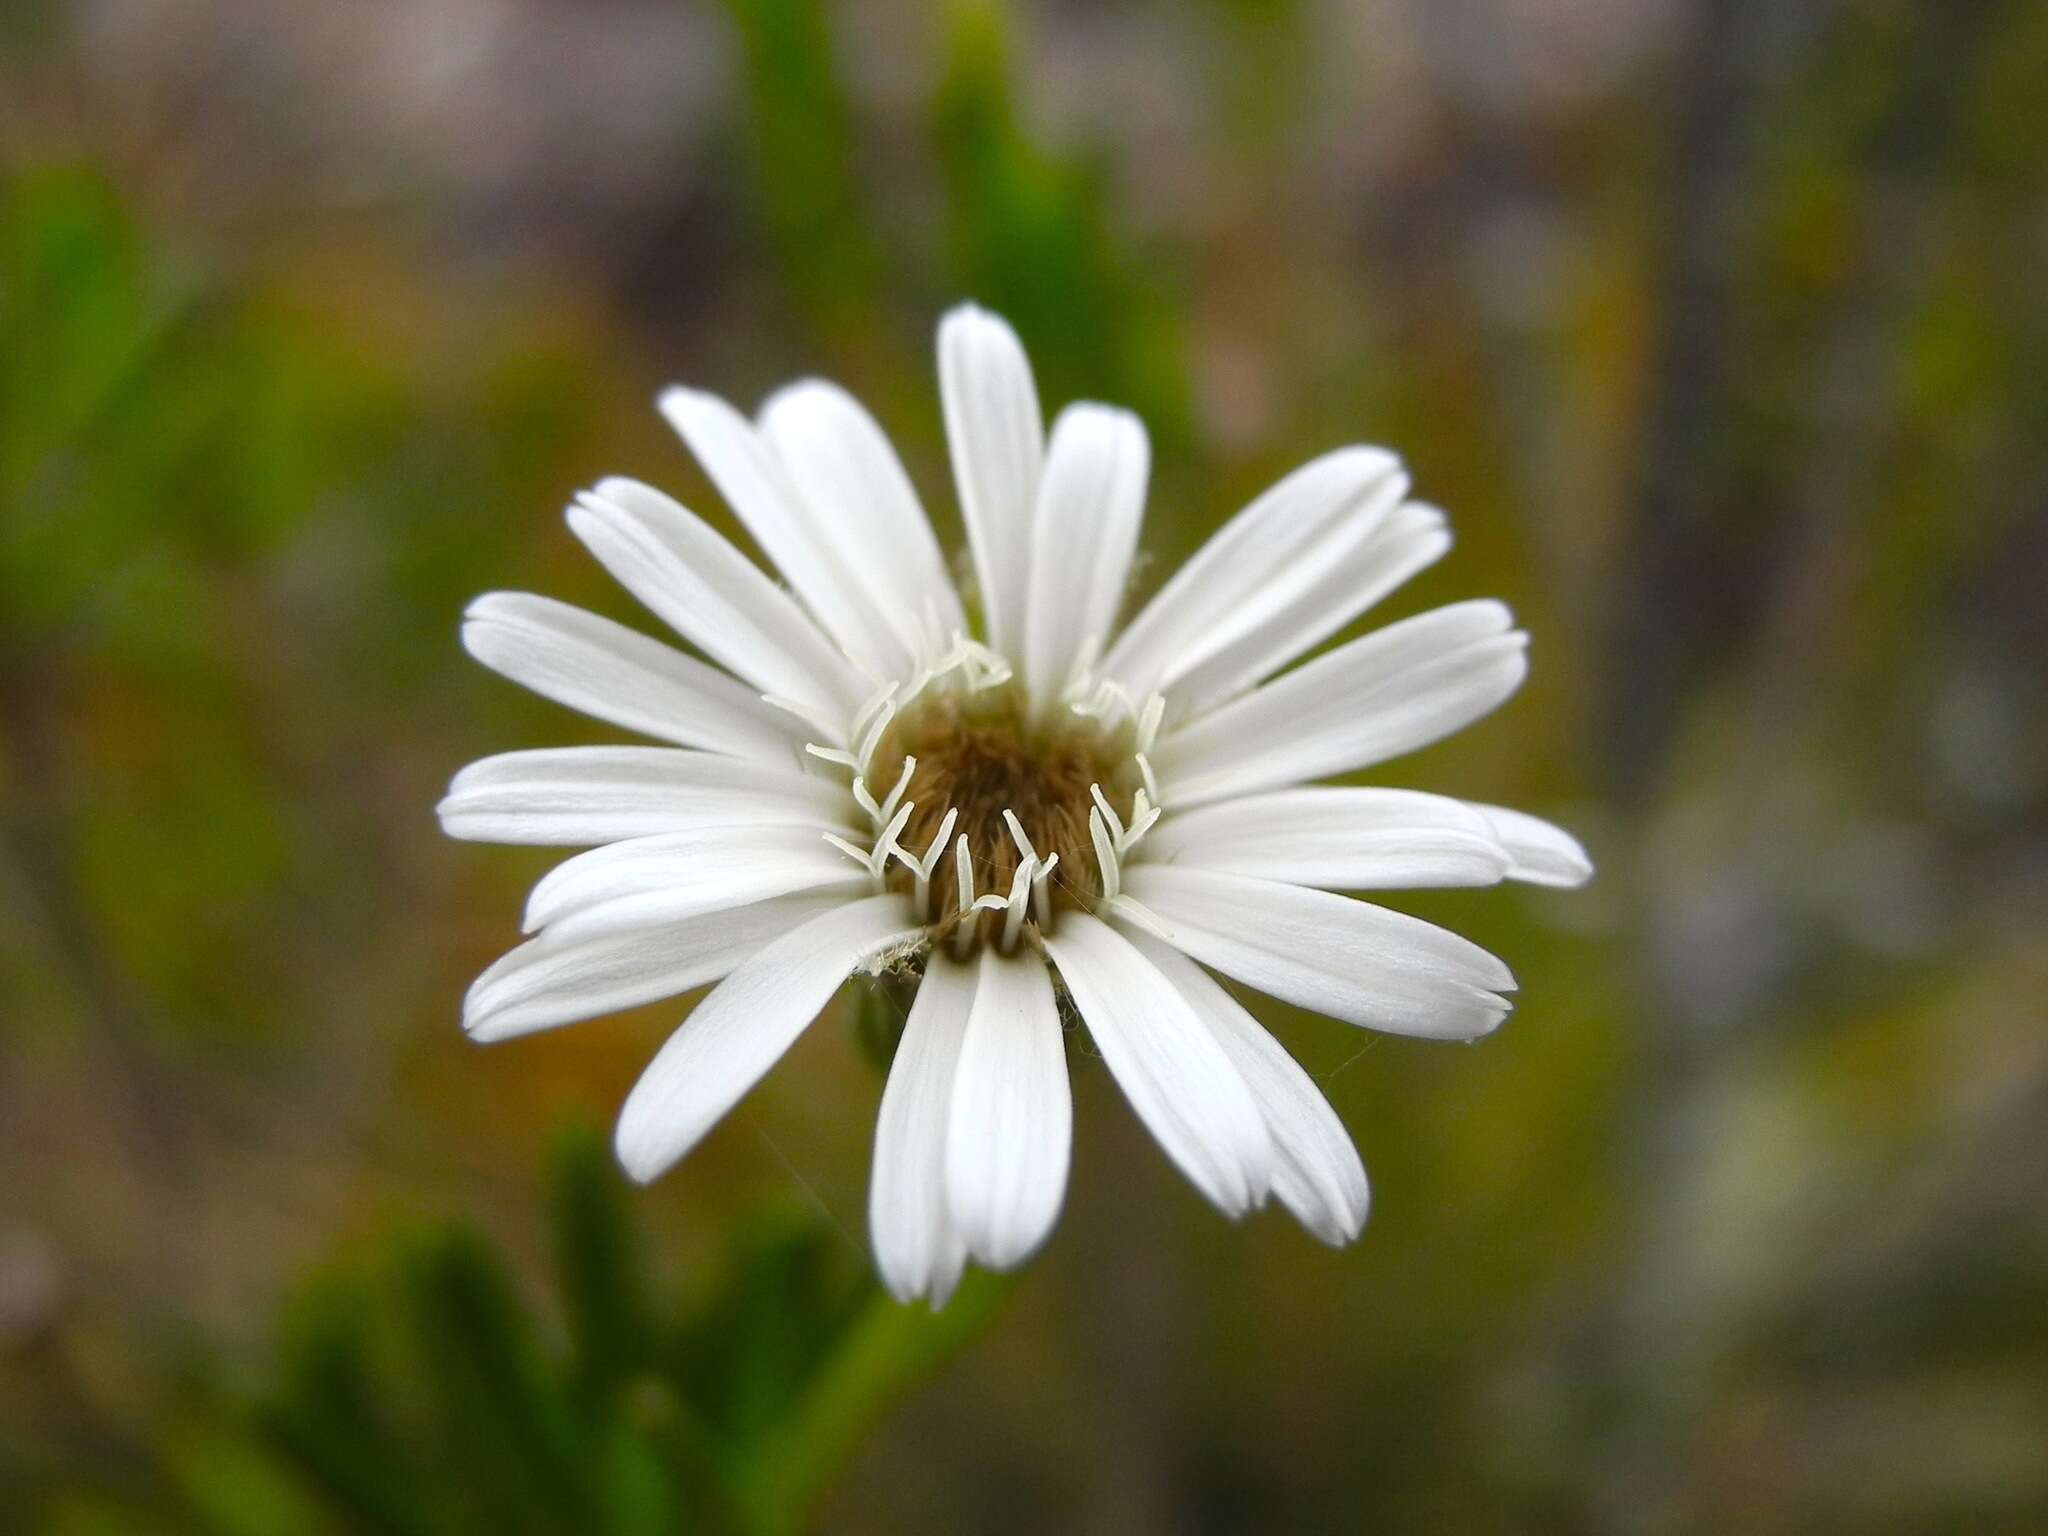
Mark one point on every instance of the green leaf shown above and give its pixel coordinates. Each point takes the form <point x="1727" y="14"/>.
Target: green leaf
<point x="803" y="162"/>
<point x="1031" y="237"/>
<point x="788" y="1290"/>
<point x="885" y="1351"/>
<point x="420" y="1397"/>
<point x="236" y="1486"/>
<point x="597" y="1256"/>
<point x="503" y="1421"/>
<point x="327" y="1412"/>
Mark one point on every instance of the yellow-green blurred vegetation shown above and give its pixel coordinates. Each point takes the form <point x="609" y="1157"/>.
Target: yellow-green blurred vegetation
<point x="1719" y="327"/>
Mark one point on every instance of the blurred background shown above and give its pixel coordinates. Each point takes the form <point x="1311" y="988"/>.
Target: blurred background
<point x="1718" y="326"/>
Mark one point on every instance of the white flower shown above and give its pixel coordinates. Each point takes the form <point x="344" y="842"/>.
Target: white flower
<point x="860" y="779"/>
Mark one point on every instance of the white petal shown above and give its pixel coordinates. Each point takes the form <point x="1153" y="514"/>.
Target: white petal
<point x="612" y="673"/>
<point x="745" y="470"/>
<point x="1542" y="854"/>
<point x="679" y="874"/>
<point x="1390" y="692"/>
<point x="1083" y="534"/>
<point x="917" y="1249"/>
<point x="1012" y="1117"/>
<point x="741" y="1030"/>
<point x="1330" y="954"/>
<point x="549" y="980"/>
<point x="1208" y="598"/>
<point x="1346" y="576"/>
<point x="1178" y="1079"/>
<point x="712" y="595"/>
<point x="1340" y="839"/>
<point x="996" y="434"/>
<point x="841" y="463"/>
<point x="580" y="796"/>
<point x="1318" y="1175"/>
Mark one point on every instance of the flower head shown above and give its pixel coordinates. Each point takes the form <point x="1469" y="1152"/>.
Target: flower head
<point x="1037" y="806"/>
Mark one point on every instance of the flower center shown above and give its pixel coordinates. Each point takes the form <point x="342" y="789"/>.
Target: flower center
<point x="1012" y="790"/>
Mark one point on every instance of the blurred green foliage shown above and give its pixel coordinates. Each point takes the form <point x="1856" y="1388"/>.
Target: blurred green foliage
<point x="1718" y="329"/>
<point x="802" y="145"/>
<point x="417" y="1394"/>
<point x="174" y="441"/>
<point x="1030" y="231"/>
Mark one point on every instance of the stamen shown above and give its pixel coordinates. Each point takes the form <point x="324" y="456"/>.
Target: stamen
<point x="1148" y="721"/>
<point x="978" y="666"/>
<point x="887" y="840"/>
<point x="963" y="877"/>
<point x="1025" y="796"/>
<point x="985" y="668"/>
<point x="1143" y="916"/>
<point x="1143" y="814"/>
<point x="1106" y="699"/>
<point x="873" y="703"/>
<point x="1084" y="666"/>
<point x="873" y="736"/>
<point x="963" y="873"/>
<point x="1145" y="772"/>
<point x="938" y="844"/>
<point x="863" y="798"/>
<point x="1041" y="891"/>
<point x="888" y="806"/>
<point x="1017" y="835"/>
<point x="1105" y="857"/>
<point x="833" y="755"/>
<point x="874" y="859"/>
<point x="853" y="851"/>
<point x="1020" y="899"/>
<point x="1116" y="822"/>
<point x="921" y="867"/>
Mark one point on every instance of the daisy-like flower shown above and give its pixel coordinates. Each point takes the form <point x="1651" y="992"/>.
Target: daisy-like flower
<point x="1041" y="815"/>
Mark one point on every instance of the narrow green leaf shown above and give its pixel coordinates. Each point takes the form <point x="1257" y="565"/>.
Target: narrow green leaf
<point x="507" y="1426"/>
<point x="802" y="154"/>
<point x="889" y="1348"/>
<point x="326" y="1414"/>
<point x="597" y="1256"/>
